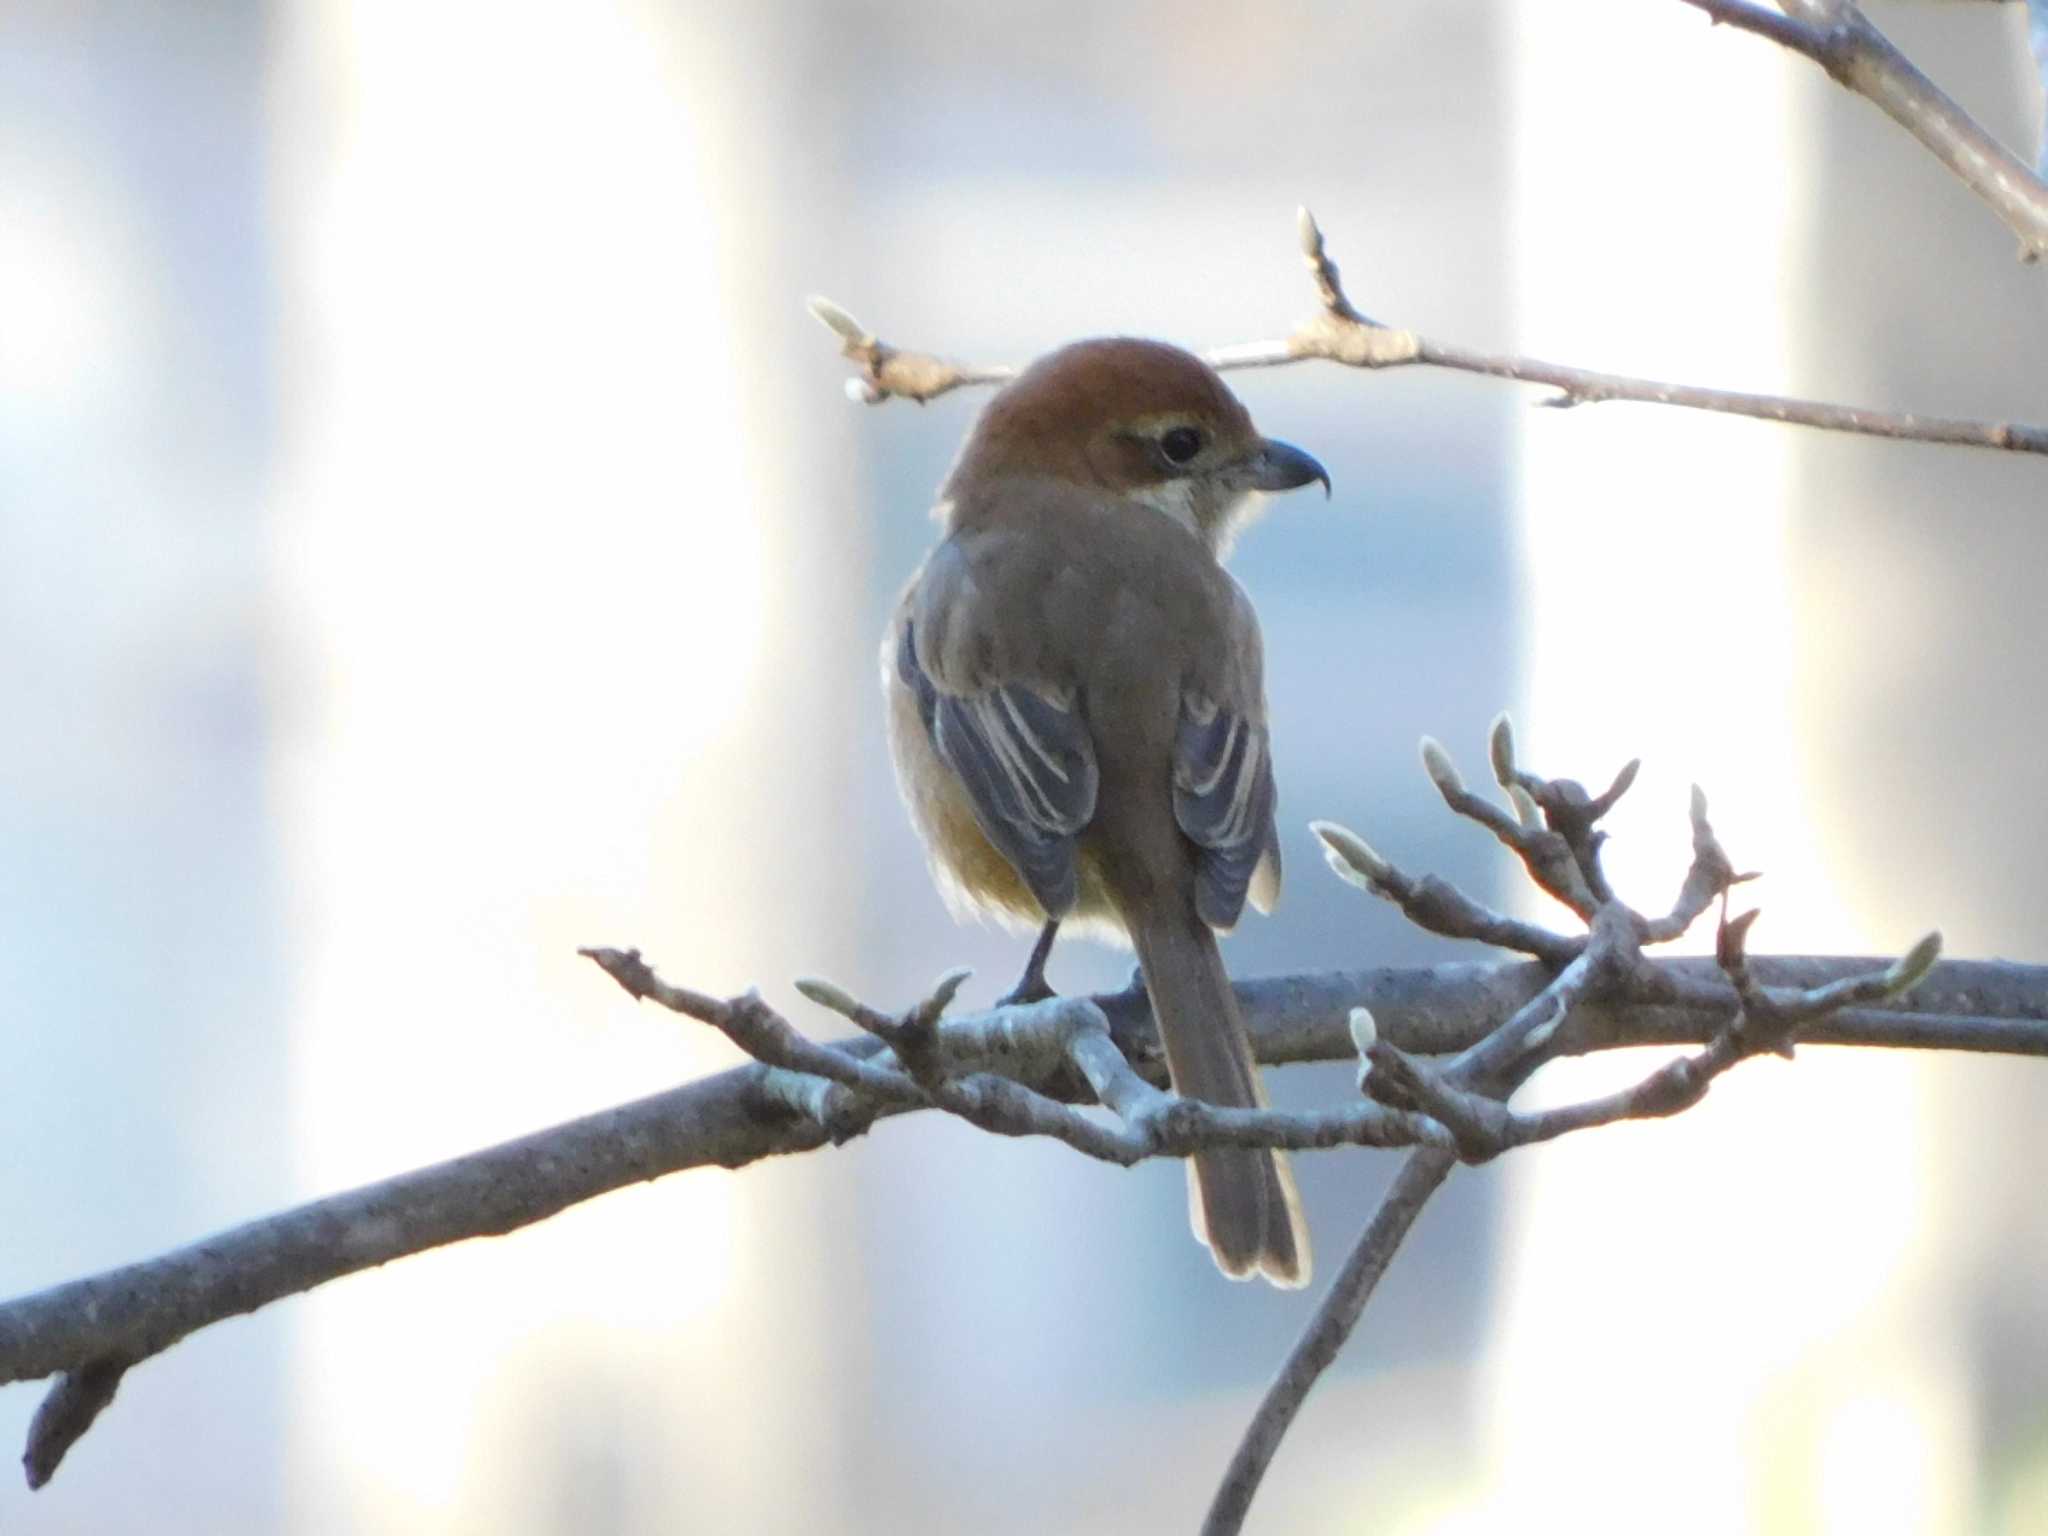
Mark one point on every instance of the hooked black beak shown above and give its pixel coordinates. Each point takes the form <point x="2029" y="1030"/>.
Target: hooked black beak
<point x="1278" y="466"/>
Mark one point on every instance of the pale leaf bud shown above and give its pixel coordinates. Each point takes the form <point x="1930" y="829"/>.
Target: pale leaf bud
<point x="828" y="995"/>
<point x="835" y="319"/>
<point x="1500" y="745"/>
<point x="1911" y="968"/>
<point x="1352" y="857"/>
<point x="1436" y="762"/>
<point x="1306" y="231"/>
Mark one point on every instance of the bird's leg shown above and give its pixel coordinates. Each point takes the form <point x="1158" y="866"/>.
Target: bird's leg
<point x="1031" y="987"/>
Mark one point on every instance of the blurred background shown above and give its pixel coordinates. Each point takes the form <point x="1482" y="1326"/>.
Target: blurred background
<point x="432" y="537"/>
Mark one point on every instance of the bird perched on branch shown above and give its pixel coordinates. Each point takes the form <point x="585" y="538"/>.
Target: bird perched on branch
<point x="1077" y="712"/>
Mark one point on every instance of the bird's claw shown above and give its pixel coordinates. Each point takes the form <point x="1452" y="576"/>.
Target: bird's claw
<point x="1032" y="989"/>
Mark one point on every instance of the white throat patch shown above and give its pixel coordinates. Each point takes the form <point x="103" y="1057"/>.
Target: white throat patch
<point x="1174" y="499"/>
<point x="1185" y="501"/>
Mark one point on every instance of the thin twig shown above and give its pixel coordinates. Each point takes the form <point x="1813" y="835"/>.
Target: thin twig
<point x="1434" y="904"/>
<point x="889" y="373"/>
<point x="1155" y="1124"/>
<point x="1710" y="876"/>
<point x="1325" y="1336"/>
<point x="1548" y="856"/>
<point x="1485" y="1127"/>
<point x="66" y="1412"/>
<point x="1338" y="333"/>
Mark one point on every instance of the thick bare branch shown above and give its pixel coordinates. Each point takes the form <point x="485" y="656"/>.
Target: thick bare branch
<point x="739" y="1116"/>
<point x="1019" y="1071"/>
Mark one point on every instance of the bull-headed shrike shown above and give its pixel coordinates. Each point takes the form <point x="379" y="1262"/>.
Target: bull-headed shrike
<point x="1078" y="716"/>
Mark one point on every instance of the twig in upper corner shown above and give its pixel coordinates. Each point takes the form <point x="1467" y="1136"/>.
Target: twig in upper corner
<point x="1836" y="35"/>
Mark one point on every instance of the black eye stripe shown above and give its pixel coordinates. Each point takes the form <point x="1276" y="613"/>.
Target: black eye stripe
<point x="1180" y="444"/>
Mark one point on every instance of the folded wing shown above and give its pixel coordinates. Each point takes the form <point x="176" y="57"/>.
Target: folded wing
<point x="1024" y="757"/>
<point x="1224" y="800"/>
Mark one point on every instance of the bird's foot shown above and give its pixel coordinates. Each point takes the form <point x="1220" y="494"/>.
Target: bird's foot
<point x="1029" y="989"/>
<point x="1031" y="986"/>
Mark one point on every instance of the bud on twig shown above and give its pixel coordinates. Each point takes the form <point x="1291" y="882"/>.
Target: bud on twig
<point x="828" y="995"/>
<point x="1308" y="233"/>
<point x="1436" y="762"/>
<point x="1364" y="1035"/>
<point x="1911" y="968"/>
<point x="837" y="320"/>
<point x="1500" y="744"/>
<point x="1354" y="859"/>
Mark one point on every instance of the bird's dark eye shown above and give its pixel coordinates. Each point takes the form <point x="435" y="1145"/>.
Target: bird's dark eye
<point x="1180" y="444"/>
